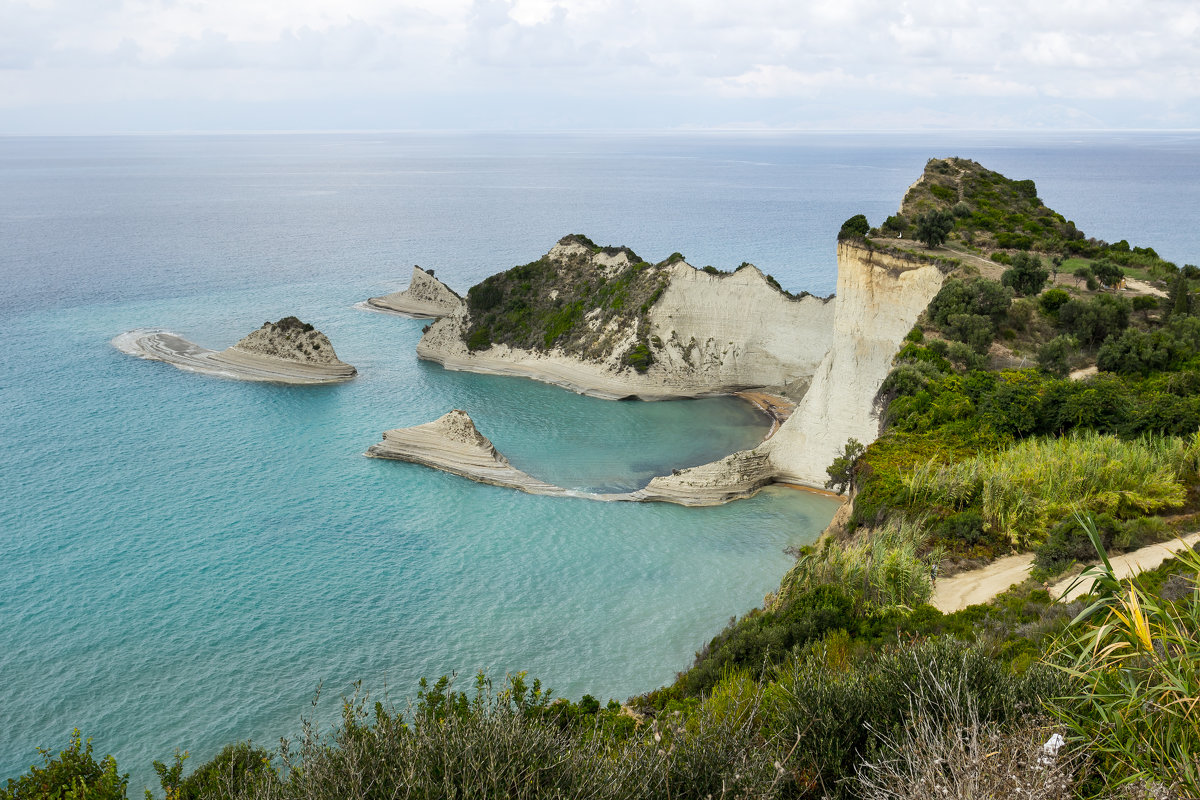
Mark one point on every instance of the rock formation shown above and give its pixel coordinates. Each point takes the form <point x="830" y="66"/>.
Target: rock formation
<point x="425" y="298"/>
<point x="453" y="444"/>
<point x="713" y="333"/>
<point x="879" y="297"/>
<point x="287" y="351"/>
<point x="699" y="332"/>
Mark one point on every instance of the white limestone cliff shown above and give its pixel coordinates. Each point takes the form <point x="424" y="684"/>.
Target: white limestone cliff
<point x="879" y="297"/>
<point x="724" y="332"/>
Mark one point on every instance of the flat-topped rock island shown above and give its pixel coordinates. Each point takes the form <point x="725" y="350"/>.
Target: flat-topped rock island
<point x="287" y="351"/>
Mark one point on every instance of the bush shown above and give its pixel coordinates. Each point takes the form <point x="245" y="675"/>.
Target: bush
<point x="479" y="339"/>
<point x="639" y="357"/>
<point x="847" y="712"/>
<point x="933" y="227"/>
<point x="972" y="296"/>
<point x="1055" y="355"/>
<point x="854" y="228"/>
<point x="73" y="773"/>
<point x="1068" y="542"/>
<point x="1091" y="322"/>
<point x="1052" y="300"/>
<point x="1026" y="276"/>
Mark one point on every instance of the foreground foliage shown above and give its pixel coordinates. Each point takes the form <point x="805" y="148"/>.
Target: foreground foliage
<point x="1137" y="665"/>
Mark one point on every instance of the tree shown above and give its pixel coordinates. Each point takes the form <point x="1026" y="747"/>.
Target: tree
<point x="1180" y="295"/>
<point x="854" y="228"/>
<point x="1055" y="355"/>
<point x="1082" y="274"/>
<point x="841" y="471"/>
<point x="1108" y="273"/>
<point x="1026" y="275"/>
<point x="933" y="227"/>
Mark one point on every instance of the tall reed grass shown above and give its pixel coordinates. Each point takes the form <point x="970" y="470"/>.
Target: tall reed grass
<point x="883" y="568"/>
<point x="1026" y="488"/>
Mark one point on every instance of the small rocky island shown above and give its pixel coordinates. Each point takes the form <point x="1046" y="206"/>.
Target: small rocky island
<point x="287" y="351"/>
<point x="425" y="298"/>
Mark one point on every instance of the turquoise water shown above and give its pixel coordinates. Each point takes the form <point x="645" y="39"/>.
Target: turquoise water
<point x="186" y="558"/>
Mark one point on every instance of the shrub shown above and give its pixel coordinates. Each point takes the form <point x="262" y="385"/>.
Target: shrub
<point x="73" y="773"/>
<point x="1091" y="322"/>
<point x="1055" y="355"/>
<point x="933" y="227"/>
<point x="854" y="228"/>
<point x="1053" y="299"/>
<point x="1026" y="276"/>
<point x="841" y="471"/>
<point x="848" y="712"/>
<point x="479" y="339"/>
<point x="639" y="357"/>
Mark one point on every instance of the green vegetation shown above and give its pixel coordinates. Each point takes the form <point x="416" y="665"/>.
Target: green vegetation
<point x="1022" y="490"/>
<point x="854" y="228"/>
<point x="74" y="774"/>
<point x="542" y="305"/>
<point x="932" y="227"/>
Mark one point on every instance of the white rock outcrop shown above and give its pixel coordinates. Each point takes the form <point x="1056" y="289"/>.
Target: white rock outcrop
<point x="425" y="298"/>
<point x="453" y="444"/>
<point x="287" y="351"/>
<point x="720" y="333"/>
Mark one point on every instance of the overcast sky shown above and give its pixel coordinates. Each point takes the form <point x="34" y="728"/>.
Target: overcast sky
<point x="80" y="66"/>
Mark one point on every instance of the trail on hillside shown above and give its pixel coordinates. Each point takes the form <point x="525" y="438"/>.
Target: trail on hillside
<point x="981" y="585"/>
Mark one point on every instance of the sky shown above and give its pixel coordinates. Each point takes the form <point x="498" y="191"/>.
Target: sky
<point x="91" y="66"/>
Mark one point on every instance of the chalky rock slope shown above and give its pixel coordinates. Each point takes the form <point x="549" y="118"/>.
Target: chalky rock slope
<point x="425" y="298"/>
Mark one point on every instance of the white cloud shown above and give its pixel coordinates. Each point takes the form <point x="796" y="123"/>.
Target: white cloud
<point x="704" y="58"/>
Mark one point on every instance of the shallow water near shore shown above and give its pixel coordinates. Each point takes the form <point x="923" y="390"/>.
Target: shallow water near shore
<point x="188" y="557"/>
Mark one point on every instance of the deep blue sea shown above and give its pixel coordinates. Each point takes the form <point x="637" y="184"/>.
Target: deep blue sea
<point x="184" y="559"/>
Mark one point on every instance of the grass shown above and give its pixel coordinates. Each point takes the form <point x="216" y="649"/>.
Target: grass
<point x="1027" y="487"/>
<point x="883" y="569"/>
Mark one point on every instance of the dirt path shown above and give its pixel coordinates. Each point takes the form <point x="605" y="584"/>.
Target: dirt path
<point x="981" y="585"/>
<point x="1129" y="564"/>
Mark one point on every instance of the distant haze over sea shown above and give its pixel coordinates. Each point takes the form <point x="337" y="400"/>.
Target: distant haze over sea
<point x="186" y="558"/>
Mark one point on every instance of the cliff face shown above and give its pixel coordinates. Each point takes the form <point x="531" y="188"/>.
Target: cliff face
<point x="726" y="332"/>
<point x="697" y="333"/>
<point x="425" y="298"/>
<point x="879" y="297"/>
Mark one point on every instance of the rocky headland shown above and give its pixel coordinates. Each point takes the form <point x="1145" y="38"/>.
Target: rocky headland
<point x="287" y="351"/>
<point x="425" y="298"/>
<point x="603" y="322"/>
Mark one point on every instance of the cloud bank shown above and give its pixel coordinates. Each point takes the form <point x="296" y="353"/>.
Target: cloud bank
<point x="80" y="65"/>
